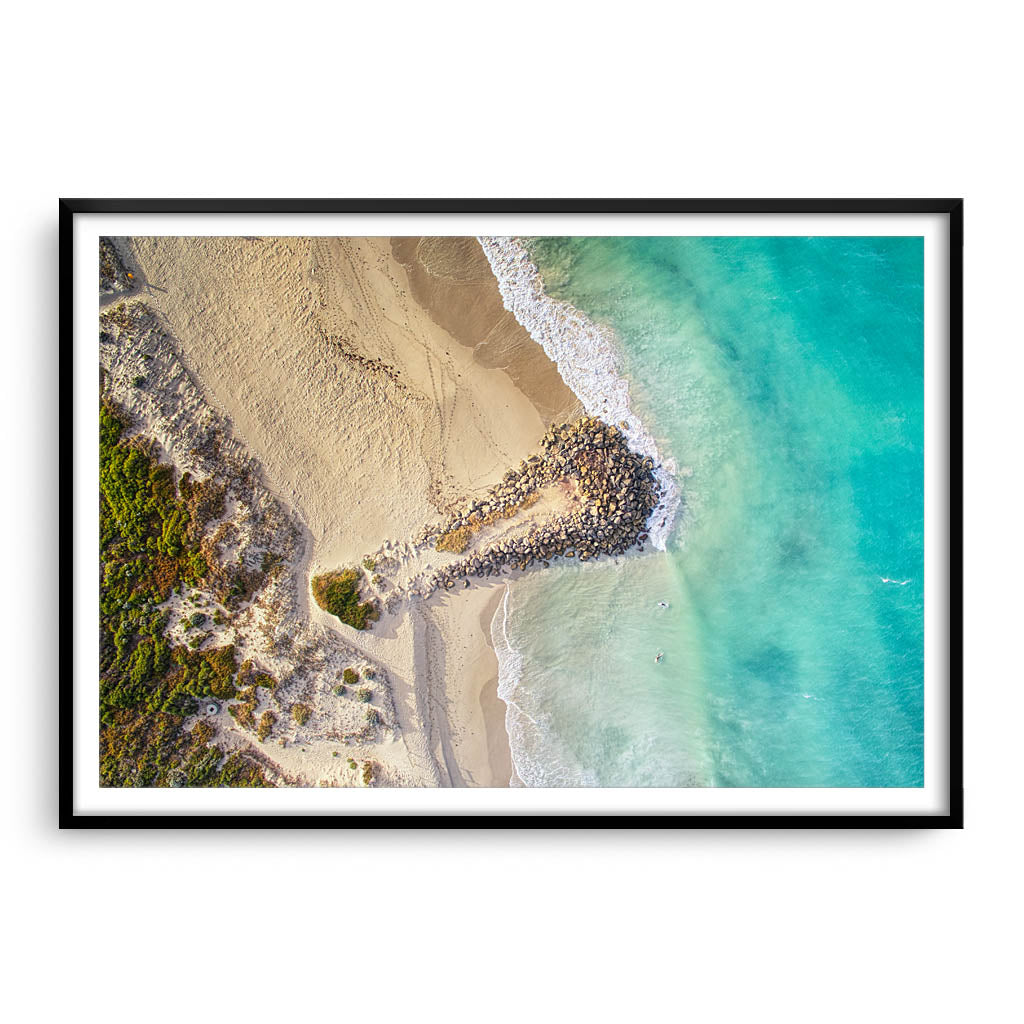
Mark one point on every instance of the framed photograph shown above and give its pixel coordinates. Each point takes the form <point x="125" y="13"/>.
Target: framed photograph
<point x="548" y="513"/>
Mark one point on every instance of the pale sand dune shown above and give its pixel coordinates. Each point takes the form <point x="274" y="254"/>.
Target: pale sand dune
<point x="377" y="381"/>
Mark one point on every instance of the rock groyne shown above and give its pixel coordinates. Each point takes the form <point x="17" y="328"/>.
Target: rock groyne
<point x="614" y="491"/>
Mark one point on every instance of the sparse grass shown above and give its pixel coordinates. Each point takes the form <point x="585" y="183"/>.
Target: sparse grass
<point x="367" y="773"/>
<point x="338" y="593"/>
<point x="267" y="720"/>
<point x="116" y="316"/>
<point x="339" y="690"/>
<point x="369" y="564"/>
<point x="364" y="695"/>
<point x="456" y="541"/>
<point x="373" y="716"/>
<point x="243" y="713"/>
<point x="270" y="561"/>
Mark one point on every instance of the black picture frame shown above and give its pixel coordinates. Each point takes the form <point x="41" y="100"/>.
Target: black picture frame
<point x="953" y="209"/>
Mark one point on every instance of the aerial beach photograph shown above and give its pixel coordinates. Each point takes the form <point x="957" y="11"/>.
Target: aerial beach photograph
<point x="541" y="511"/>
<point x="516" y="499"/>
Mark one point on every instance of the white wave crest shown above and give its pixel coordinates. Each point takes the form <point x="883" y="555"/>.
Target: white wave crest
<point x="586" y="355"/>
<point x="510" y="671"/>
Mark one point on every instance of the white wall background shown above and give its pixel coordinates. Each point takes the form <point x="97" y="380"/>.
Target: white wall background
<point x="516" y="99"/>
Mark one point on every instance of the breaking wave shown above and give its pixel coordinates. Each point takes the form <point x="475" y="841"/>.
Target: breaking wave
<point x="587" y="358"/>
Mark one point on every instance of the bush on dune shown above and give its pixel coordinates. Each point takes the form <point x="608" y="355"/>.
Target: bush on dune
<point x="338" y="593"/>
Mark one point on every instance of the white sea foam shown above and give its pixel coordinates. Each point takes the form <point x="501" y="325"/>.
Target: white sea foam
<point x="586" y="355"/>
<point x="510" y="671"/>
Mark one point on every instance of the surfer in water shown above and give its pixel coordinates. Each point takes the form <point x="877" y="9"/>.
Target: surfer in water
<point x="662" y="604"/>
<point x="659" y="656"/>
<point x="899" y="583"/>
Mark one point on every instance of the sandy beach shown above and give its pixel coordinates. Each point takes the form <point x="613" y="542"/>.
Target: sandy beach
<point x="378" y="383"/>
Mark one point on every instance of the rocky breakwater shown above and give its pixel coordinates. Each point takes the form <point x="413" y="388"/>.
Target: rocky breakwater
<point x="611" y="492"/>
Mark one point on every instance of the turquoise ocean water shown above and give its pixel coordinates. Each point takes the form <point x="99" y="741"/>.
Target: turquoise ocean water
<point x="784" y="378"/>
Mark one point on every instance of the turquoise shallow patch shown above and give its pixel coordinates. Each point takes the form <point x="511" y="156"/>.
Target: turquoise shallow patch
<point x="785" y="377"/>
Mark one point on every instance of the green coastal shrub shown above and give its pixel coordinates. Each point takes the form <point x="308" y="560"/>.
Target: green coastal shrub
<point x="364" y="695"/>
<point x="267" y="720"/>
<point x="301" y="713"/>
<point x="350" y="676"/>
<point x="338" y="593"/>
<point x="148" y="685"/>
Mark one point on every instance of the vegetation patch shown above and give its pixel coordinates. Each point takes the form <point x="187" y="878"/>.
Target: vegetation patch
<point x="338" y="593"/>
<point x="112" y="271"/>
<point x="301" y="713"/>
<point x="267" y="720"/>
<point x="149" y="686"/>
<point x="270" y="561"/>
<point x="119" y="316"/>
<point x="455" y="541"/>
<point x="350" y="676"/>
<point x="243" y="712"/>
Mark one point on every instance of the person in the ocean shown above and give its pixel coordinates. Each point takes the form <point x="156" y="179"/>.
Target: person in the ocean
<point x="659" y="656"/>
<point x="662" y="604"/>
